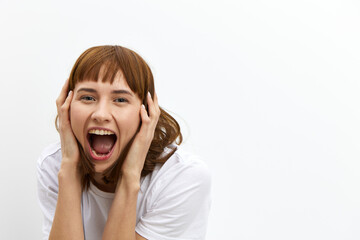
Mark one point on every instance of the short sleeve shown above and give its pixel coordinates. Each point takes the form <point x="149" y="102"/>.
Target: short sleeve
<point x="47" y="183"/>
<point x="180" y="204"/>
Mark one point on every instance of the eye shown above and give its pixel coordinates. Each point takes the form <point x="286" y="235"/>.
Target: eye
<point x="87" y="98"/>
<point x="120" y="100"/>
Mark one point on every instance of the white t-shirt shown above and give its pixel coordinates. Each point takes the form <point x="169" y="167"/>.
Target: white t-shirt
<point x="173" y="201"/>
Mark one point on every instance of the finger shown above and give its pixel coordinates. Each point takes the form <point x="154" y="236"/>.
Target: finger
<point x="156" y="100"/>
<point x="145" y="119"/>
<point x="67" y="102"/>
<point x="145" y="129"/>
<point x="63" y="94"/>
<point x="157" y="107"/>
<point x="64" y="109"/>
<point x="153" y="108"/>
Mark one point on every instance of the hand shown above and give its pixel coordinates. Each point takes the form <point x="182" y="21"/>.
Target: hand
<point x="69" y="147"/>
<point x="134" y="161"/>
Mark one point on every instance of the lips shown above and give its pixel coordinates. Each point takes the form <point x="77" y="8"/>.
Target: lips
<point x="101" y="143"/>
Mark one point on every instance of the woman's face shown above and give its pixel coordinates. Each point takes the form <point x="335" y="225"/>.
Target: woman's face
<point x="104" y="117"/>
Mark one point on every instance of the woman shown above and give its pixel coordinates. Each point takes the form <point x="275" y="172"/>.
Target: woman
<point x="116" y="173"/>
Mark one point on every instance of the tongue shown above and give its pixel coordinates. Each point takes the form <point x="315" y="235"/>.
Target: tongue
<point x="102" y="144"/>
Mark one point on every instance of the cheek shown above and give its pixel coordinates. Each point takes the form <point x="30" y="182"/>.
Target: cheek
<point x="128" y="123"/>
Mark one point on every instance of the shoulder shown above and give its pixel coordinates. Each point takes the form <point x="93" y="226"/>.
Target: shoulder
<point x="48" y="166"/>
<point x="51" y="155"/>
<point x="178" y="199"/>
<point x="189" y="164"/>
<point x="49" y="162"/>
<point x="184" y="170"/>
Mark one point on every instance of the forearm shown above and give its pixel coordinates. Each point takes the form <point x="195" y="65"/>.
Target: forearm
<point x="122" y="215"/>
<point x="67" y="223"/>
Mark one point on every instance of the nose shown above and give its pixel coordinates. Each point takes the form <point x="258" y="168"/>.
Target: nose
<point x="101" y="113"/>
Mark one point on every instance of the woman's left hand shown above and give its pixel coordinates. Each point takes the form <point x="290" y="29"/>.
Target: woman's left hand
<point x="135" y="159"/>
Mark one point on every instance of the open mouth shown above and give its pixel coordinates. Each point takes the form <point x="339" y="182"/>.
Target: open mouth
<point x="101" y="143"/>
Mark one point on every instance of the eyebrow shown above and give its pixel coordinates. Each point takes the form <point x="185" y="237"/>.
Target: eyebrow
<point x="86" y="90"/>
<point x="120" y="91"/>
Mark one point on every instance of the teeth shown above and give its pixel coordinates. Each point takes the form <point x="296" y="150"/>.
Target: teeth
<point x="99" y="154"/>
<point x="100" y="132"/>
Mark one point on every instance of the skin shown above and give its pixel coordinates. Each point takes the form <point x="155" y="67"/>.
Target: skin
<point x="95" y="105"/>
<point x="67" y="223"/>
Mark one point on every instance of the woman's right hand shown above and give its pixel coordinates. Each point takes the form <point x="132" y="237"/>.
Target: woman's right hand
<point x="67" y="221"/>
<point x="69" y="147"/>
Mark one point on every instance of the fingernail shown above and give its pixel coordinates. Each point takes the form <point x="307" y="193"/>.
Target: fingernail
<point x="149" y="94"/>
<point x="69" y="92"/>
<point x="143" y="106"/>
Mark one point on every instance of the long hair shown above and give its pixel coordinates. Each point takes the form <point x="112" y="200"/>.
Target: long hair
<point x="110" y="60"/>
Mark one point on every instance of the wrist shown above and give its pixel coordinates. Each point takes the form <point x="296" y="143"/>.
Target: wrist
<point x="131" y="175"/>
<point x="69" y="171"/>
<point x="129" y="184"/>
<point x="69" y="162"/>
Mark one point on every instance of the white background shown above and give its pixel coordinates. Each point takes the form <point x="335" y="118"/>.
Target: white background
<point x="267" y="93"/>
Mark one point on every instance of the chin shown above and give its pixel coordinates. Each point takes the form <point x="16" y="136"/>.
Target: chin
<point x="99" y="169"/>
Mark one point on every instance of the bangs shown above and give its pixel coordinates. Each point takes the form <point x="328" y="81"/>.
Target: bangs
<point x="106" y="70"/>
<point x="108" y="61"/>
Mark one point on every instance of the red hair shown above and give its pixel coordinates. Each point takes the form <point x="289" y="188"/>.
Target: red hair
<point x="110" y="60"/>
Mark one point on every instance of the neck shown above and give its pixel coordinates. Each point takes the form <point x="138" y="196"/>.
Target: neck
<point x="100" y="184"/>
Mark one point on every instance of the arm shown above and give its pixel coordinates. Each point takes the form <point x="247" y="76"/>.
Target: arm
<point x="122" y="215"/>
<point x="67" y="223"/>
